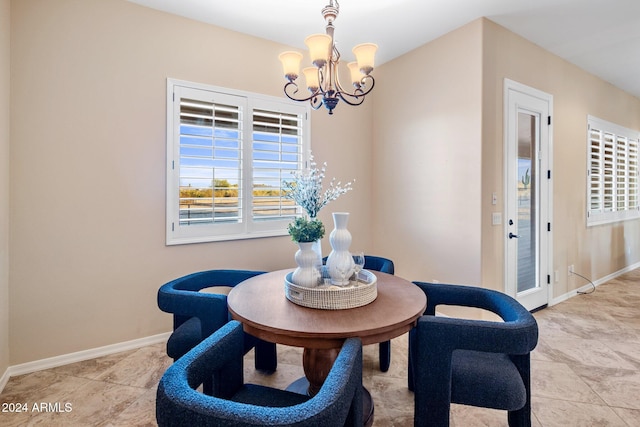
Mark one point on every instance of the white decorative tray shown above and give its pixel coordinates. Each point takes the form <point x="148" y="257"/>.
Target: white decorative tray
<point x="332" y="297"/>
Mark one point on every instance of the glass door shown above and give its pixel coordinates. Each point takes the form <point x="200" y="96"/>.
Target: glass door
<point x="528" y="194"/>
<point x="525" y="189"/>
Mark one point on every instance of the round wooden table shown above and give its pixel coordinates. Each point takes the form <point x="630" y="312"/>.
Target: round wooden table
<point x="260" y="304"/>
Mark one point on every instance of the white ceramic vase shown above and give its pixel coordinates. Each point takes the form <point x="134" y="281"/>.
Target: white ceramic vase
<point x="340" y="262"/>
<point x="317" y="248"/>
<point x="307" y="274"/>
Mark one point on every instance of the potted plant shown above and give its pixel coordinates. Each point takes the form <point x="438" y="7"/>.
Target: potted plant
<point x="306" y="190"/>
<point x="305" y="233"/>
<point x="303" y="230"/>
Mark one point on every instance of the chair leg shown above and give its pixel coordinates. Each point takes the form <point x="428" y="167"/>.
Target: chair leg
<point x="410" y="374"/>
<point x="266" y="358"/>
<point x="521" y="417"/>
<point x="410" y="363"/>
<point x="431" y="416"/>
<point x="384" y="353"/>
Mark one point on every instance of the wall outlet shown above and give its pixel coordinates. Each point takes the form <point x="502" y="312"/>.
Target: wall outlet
<point x="570" y="270"/>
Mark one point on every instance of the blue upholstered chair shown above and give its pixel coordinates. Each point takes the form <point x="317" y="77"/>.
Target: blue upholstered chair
<point x="196" y="315"/>
<point x="471" y="362"/>
<point x="385" y="265"/>
<point x="178" y="403"/>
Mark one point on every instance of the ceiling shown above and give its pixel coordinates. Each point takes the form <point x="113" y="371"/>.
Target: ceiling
<point x="599" y="36"/>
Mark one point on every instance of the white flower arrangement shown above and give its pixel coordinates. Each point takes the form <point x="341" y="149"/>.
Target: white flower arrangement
<point x="306" y="189"/>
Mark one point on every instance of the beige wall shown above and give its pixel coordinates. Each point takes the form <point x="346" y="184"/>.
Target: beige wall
<point x="5" y="59"/>
<point x="426" y="161"/>
<point x="88" y="152"/>
<point x="88" y="157"/>
<point x="598" y="251"/>
<point x="438" y="158"/>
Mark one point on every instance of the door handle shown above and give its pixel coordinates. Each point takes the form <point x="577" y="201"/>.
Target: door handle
<point x="513" y="236"/>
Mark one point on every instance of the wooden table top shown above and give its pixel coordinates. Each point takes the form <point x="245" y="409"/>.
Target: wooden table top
<point x="260" y="304"/>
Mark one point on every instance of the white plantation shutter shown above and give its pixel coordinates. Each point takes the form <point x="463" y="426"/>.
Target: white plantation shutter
<point x="612" y="172"/>
<point x="210" y="170"/>
<point x="622" y="173"/>
<point x="634" y="174"/>
<point x="596" y="204"/>
<point x="608" y="171"/>
<point x="277" y="151"/>
<point x="227" y="154"/>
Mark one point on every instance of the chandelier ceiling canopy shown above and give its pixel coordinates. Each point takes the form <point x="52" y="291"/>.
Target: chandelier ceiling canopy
<point x="322" y="79"/>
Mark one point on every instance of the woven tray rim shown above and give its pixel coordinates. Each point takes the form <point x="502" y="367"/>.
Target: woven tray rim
<point x="335" y="298"/>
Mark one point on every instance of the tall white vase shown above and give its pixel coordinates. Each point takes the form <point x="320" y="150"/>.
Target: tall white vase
<point x="340" y="262"/>
<point x="307" y="274"/>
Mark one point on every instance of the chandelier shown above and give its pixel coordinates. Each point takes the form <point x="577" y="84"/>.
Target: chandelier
<point x="323" y="79"/>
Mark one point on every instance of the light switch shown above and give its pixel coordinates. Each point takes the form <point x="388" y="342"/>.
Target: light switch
<point x="496" y="218"/>
<point x="494" y="199"/>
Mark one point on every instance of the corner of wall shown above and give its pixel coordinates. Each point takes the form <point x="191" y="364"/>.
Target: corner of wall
<point x="5" y="57"/>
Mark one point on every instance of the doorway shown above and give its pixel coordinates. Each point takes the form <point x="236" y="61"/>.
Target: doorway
<point x="528" y="194"/>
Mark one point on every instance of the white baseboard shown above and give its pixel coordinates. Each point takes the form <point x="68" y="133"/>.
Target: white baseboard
<point x="596" y="283"/>
<point x="65" y="359"/>
<point x="4" y="379"/>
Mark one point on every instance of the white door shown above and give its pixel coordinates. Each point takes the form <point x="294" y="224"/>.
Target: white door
<point x="528" y="194"/>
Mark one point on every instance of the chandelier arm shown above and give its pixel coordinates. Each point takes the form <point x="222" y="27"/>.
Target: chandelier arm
<point x="339" y="87"/>
<point x="363" y="83"/>
<point x="295" y="86"/>
<point x="322" y="81"/>
<point x="357" y="97"/>
<point x="316" y="102"/>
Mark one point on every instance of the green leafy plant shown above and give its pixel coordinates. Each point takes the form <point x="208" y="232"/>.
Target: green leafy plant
<point x="304" y="230"/>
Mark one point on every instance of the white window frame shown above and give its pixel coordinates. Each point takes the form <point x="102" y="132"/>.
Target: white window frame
<point x="613" y="188"/>
<point x="246" y="227"/>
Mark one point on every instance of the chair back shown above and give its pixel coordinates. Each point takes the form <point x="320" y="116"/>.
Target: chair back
<point x="384" y="265"/>
<point x="182" y="298"/>
<point x="472" y="362"/>
<point x="196" y="315"/>
<point x="339" y="401"/>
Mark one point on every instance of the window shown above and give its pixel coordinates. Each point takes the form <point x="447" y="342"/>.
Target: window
<point x="228" y="153"/>
<point x="612" y="172"/>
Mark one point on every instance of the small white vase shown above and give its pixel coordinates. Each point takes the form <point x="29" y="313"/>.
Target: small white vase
<point x="307" y="274"/>
<point x="340" y="262"/>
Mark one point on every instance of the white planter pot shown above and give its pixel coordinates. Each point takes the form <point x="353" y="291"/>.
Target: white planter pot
<point x="307" y="274"/>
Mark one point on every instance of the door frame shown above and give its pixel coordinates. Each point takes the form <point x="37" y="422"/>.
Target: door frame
<point x="545" y="194"/>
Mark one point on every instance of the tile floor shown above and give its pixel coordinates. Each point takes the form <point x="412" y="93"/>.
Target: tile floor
<point x="585" y="372"/>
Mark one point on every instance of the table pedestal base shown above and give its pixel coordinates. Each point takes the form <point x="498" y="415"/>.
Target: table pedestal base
<point x="317" y="363"/>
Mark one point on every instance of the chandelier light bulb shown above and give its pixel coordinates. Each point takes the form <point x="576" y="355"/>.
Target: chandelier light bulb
<point x="319" y="47"/>
<point x="290" y="64"/>
<point x="356" y="74"/>
<point x="311" y="76"/>
<point x="365" y="55"/>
